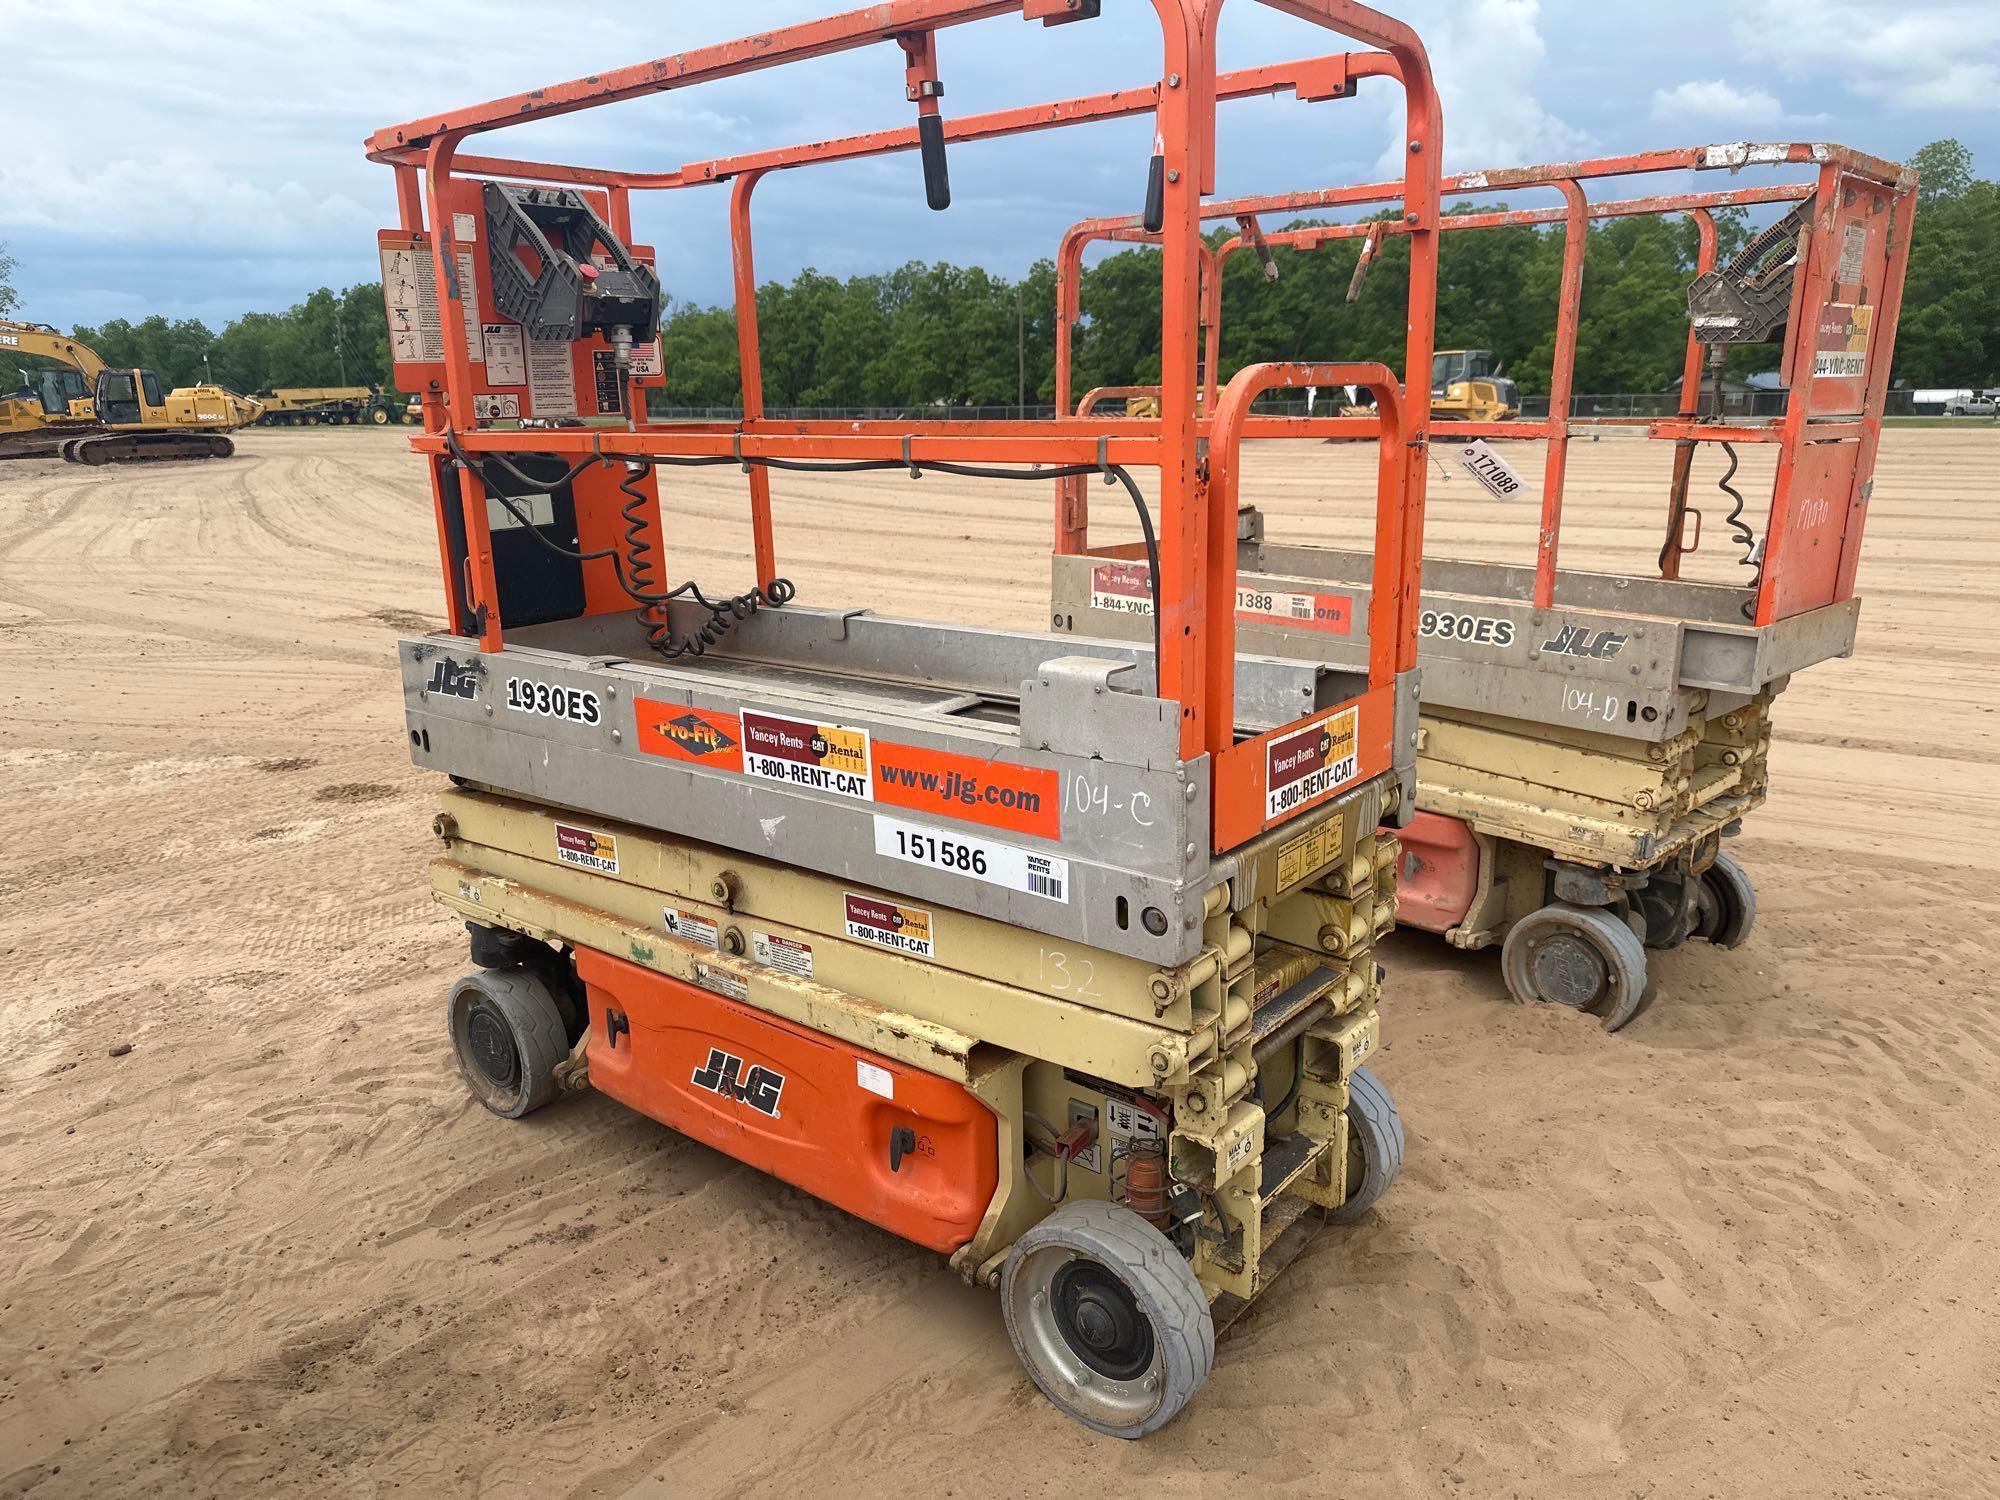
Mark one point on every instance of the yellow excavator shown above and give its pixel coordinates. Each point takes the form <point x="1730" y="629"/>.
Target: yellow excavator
<point x="1466" y="386"/>
<point x="90" y="413"/>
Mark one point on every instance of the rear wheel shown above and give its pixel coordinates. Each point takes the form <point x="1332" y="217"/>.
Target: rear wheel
<point x="379" y="416"/>
<point x="508" y="1032"/>
<point x="1580" y="956"/>
<point x="1108" y="1318"/>
<point x="1374" y="1145"/>
<point x="1726" y="904"/>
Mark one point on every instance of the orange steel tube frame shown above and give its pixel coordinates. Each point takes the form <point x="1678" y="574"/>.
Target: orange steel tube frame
<point x="1567" y="178"/>
<point x="1197" y="633"/>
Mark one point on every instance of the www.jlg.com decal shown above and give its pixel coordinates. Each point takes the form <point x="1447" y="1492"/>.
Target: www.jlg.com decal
<point x="761" y="1088"/>
<point x="998" y="793"/>
<point x="820" y="757"/>
<point x="1311" y="762"/>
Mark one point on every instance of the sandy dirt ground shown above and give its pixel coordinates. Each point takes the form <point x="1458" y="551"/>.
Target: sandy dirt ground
<point x="1751" y="1246"/>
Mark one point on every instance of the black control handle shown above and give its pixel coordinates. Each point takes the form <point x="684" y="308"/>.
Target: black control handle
<point x="937" y="177"/>
<point x="1156" y="194"/>
<point x="902" y="1141"/>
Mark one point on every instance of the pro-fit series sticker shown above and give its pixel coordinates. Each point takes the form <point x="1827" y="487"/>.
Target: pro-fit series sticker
<point x="1841" y="350"/>
<point x="551" y="700"/>
<point x="701" y="736"/>
<point x="819" y="757"/>
<point x="890" y="924"/>
<point x="1123" y="587"/>
<point x="1311" y="762"/>
<point x="997" y="793"/>
<point x="586" y="850"/>
<point x="787" y="955"/>
<point x="1333" y="613"/>
<point x="984" y="860"/>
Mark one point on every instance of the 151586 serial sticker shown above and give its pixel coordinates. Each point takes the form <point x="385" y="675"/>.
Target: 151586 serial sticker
<point x="1016" y="869"/>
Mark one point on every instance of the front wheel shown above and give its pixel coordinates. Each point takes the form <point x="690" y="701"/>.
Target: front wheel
<point x="1374" y="1145"/>
<point x="1108" y="1318"/>
<point x="509" y="1035"/>
<point x="1726" y="904"/>
<point x="1580" y="956"/>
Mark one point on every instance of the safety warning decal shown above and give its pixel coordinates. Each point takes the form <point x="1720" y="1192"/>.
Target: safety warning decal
<point x="410" y="295"/>
<point x="1333" y="613"/>
<point x="890" y="924"/>
<point x="1124" y="587"/>
<point x="700" y="735"/>
<point x="1842" y="348"/>
<point x="689" y="926"/>
<point x="786" y="955"/>
<point x="1308" y="852"/>
<point x="586" y="850"/>
<point x="820" y="757"/>
<point x="721" y="982"/>
<point x="1311" y="762"/>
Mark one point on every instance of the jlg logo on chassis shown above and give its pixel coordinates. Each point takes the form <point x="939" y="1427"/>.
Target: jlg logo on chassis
<point x="760" y="1089"/>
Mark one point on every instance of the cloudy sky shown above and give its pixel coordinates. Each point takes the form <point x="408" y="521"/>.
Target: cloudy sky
<point x="201" y="161"/>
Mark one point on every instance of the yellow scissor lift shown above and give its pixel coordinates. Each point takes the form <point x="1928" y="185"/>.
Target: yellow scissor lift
<point x="1589" y="738"/>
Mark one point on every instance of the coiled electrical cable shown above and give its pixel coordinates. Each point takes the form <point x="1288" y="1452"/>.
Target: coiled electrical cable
<point x="1746" y="538"/>
<point x="637" y="583"/>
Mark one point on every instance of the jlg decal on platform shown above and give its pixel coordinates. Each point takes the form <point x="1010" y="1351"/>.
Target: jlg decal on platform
<point x="586" y="850"/>
<point x="820" y="757"/>
<point x="1333" y="613"/>
<point x="1023" y="799"/>
<point x="1310" y="763"/>
<point x="890" y="924"/>
<point x="761" y="1088"/>
<point x="699" y="735"/>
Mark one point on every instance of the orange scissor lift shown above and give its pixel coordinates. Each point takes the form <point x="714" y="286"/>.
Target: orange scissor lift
<point x="1589" y="737"/>
<point x="1054" y="955"/>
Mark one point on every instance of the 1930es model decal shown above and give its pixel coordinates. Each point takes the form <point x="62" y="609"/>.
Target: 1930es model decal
<point x="551" y="700"/>
<point x="1479" y="630"/>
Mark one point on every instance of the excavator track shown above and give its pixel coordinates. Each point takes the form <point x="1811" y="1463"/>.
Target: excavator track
<point x="145" y="447"/>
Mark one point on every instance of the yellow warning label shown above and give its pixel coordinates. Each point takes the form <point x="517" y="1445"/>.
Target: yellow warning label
<point x="1306" y="853"/>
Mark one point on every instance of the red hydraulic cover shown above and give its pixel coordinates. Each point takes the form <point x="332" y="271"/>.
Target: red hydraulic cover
<point x="912" y="1152"/>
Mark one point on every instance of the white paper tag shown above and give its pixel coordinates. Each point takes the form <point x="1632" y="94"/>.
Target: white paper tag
<point x="1494" y="474"/>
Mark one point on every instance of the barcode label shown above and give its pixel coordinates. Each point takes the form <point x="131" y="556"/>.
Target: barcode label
<point x="1008" y="865"/>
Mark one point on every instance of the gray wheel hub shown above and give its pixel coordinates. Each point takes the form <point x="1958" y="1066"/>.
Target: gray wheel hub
<point x="1569" y="970"/>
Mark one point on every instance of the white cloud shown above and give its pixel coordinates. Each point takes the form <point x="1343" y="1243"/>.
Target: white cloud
<point x="1911" y="57"/>
<point x="1488" y="57"/>
<point x="1716" y="101"/>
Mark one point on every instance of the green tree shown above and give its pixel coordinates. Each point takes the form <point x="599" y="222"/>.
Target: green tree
<point x="9" y="298"/>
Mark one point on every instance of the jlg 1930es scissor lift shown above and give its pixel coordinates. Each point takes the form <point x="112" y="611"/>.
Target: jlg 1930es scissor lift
<point x="1588" y="738"/>
<point x="1052" y="954"/>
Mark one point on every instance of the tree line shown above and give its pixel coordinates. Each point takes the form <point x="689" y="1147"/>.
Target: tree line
<point x="922" y="335"/>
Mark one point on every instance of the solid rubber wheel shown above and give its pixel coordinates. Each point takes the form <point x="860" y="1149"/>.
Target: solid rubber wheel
<point x="1374" y="1145"/>
<point x="1581" y="956"/>
<point x="1107" y="1317"/>
<point x="508" y="1034"/>
<point x="1728" y="904"/>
